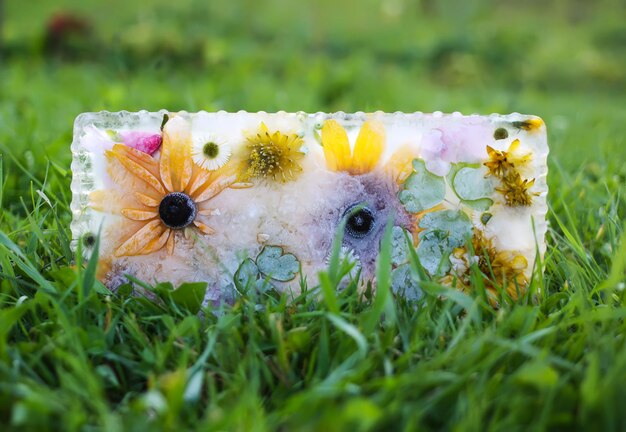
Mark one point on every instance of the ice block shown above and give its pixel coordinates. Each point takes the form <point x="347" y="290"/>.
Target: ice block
<point x="243" y="200"/>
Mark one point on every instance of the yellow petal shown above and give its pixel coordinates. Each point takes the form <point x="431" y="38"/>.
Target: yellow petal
<point x="208" y="212"/>
<point x="170" y="243"/>
<point x="176" y="166"/>
<point x="241" y="185"/>
<point x="146" y="200"/>
<point x="201" y="179"/>
<point x="135" y="168"/>
<point x="158" y="243"/>
<point x="514" y="146"/>
<point x="336" y="146"/>
<point x="369" y="147"/>
<point x="204" y="227"/>
<point x="213" y="189"/>
<point x="97" y="199"/>
<point x="137" y="156"/>
<point x="400" y="165"/>
<point x="110" y="200"/>
<point x="519" y="263"/>
<point x="140" y="239"/>
<point x="139" y="215"/>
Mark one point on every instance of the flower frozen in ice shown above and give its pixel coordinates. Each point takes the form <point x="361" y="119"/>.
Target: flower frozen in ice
<point x="368" y="147"/>
<point x="516" y="190"/>
<point x="500" y="270"/>
<point x="172" y="193"/>
<point x="209" y="152"/>
<point x="96" y="140"/>
<point x="272" y="155"/>
<point x="443" y="146"/>
<point x="146" y="142"/>
<point x="502" y="162"/>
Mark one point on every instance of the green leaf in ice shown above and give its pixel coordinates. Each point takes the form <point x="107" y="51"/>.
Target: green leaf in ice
<point x="405" y="284"/>
<point x="443" y="231"/>
<point x="472" y="184"/>
<point x="453" y="224"/>
<point x="246" y="274"/>
<point x="400" y="248"/>
<point x="480" y="205"/>
<point x="274" y="263"/>
<point x="422" y="190"/>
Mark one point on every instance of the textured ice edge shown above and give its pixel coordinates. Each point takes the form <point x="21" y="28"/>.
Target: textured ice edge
<point x="83" y="182"/>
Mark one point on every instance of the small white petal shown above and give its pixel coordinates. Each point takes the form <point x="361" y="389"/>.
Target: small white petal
<point x="204" y="161"/>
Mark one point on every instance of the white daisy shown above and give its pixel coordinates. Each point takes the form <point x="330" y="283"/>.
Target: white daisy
<point x="210" y="152"/>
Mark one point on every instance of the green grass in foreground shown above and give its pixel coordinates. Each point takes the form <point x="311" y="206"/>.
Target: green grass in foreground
<point x="73" y="357"/>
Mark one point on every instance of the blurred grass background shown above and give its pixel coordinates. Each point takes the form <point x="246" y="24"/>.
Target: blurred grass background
<point x="563" y="60"/>
<point x="72" y="360"/>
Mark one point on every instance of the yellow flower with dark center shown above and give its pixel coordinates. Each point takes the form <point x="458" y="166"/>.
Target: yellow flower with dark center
<point x="516" y="190"/>
<point x="273" y="155"/>
<point x="368" y="147"/>
<point x="501" y="162"/>
<point x="172" y="194"/>
<point x="500" y="269"/>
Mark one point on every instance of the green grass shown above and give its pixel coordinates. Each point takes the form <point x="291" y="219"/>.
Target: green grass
<point x="74" y="357"/>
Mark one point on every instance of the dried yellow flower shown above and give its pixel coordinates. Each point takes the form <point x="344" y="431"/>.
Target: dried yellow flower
<point x="501" y="162"/>
<point x="500" y="269"/>
<point x="516" y="190"/>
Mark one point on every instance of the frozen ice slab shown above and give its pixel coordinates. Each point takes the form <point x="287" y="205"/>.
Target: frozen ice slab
<point x="242" y="199"/>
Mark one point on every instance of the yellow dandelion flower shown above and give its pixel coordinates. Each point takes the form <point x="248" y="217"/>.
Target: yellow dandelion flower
<point x="273" y="155"/>
<point x="501" y="162"/>
<point x="516" y="190"/>
<point x="368" y="147"/>
<point x="172" y="193"/>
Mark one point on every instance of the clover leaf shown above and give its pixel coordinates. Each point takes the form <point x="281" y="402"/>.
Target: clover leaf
<point x="275" y="264"/>
<point x="480" y="205"/>
<point x="246" y="274"/>
<point x="472" y="184"/>
<point x="422" y="190"/>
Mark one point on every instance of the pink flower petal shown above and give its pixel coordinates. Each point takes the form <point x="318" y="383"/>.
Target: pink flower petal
<point x="143" y="141"/>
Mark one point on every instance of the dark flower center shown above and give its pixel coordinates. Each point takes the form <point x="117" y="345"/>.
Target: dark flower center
<point x="360" y="222"/>
<point x="177" y="210"/>
<point x="211" y="150"/>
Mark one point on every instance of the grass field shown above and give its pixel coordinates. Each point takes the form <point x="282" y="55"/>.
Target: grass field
<point x="73" y="357"/>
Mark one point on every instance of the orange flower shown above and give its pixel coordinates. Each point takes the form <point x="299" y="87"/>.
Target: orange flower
<point x="368" y="148"/>
<point x="175" y="194"/>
